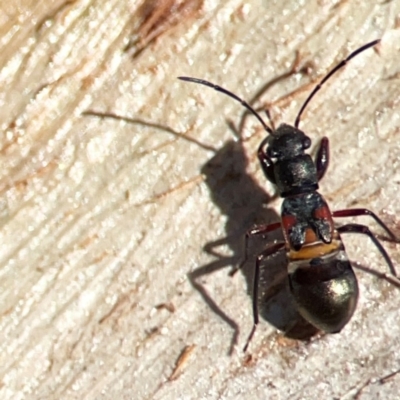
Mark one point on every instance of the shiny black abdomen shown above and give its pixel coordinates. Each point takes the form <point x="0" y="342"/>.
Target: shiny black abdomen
<point x="326" y="292"/>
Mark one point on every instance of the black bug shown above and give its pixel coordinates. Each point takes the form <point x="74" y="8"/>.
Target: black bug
<point x="321" y="278"/>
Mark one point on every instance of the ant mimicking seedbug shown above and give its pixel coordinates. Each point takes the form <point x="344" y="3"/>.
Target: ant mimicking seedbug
<point x="321" y="279"/>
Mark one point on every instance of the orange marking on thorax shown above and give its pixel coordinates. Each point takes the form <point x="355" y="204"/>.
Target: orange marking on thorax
<point x="311" y="237"/>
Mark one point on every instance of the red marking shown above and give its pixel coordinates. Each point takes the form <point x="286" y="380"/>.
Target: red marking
<point x="288" y="222"/>
<point x="323" y="213"/>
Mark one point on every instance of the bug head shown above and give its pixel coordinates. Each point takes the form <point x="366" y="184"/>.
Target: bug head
<point x="287" y="142"/>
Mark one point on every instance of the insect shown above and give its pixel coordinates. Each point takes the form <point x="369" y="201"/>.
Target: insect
<point x="321" y="279"/>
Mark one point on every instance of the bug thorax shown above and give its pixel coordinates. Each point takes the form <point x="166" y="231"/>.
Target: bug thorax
<point x="287" y="142"/>
<point x="287" y="165"/>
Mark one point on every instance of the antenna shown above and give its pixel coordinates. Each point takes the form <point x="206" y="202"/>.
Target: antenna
<point x="230" y="94"/>
<point x="333" y="71"/>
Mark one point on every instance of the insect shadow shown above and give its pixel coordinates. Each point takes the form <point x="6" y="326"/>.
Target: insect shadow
<point x="244" y="204"/>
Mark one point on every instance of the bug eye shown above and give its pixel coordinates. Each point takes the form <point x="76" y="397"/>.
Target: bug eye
<point x="306" y="142"/>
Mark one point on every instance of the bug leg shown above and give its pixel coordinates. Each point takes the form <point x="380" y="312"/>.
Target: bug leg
<point x="356" y="228"/>
<point x="258" y="230"/>
<point x="269" y="251"/>
<point x="356" y="212"/>
<point x="322" y="158"/>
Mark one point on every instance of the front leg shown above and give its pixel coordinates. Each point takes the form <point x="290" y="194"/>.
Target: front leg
<point x="266" y="163"/>
<point x="322" y="158"/>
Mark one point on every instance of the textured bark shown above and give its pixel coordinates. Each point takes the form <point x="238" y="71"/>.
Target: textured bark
<point x="120" y="186"/>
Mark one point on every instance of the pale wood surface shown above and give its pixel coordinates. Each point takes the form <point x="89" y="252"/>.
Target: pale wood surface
<point x="103" y="219"/>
